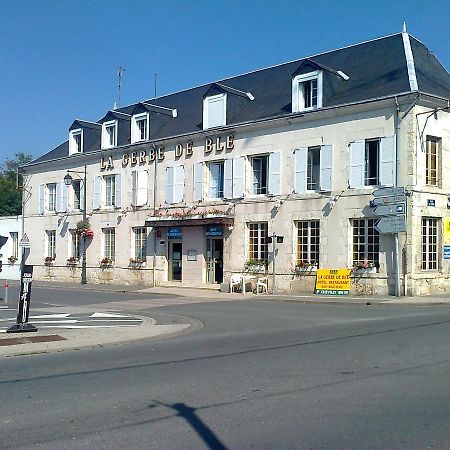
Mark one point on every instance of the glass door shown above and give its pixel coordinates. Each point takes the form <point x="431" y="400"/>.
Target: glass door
<point x="175" y="260"/>
<point x="214" y="260"/>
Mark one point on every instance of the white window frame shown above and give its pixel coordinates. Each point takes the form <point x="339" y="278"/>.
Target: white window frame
<point x="140" y="243"/>
<point x="50" y="240"/>
<point x="135" y="130"/>
<point x="110" y="197"/>
<point x="257" y="187"/>
<point x="15" y="243"/>
<point x="221" y="182"/>
<point x="370" y="241"/>
<point x="431" y="180"/>
<point x="367" y="160"/>
<point x="298" y="100"/>
<point x="109" y="243"/>
<point x="73" y="147"/>
<point x="308" y="242"/>
<point x="206" y="113"/>
<point x="257" y="249"/>
<point x="75" y="245"/>
<point x="106" y="136"/>
<point x="75" y="199"/>
<point x="52" y="197"/>
<point x="430" y="243"/>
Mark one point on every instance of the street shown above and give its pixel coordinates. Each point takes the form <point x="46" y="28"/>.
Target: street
<point x="258" y="374"/>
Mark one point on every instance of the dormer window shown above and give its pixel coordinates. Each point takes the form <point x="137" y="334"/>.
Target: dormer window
<point x="109" y="134"/>
<point x="307" y="91"/>
<point x="215" y="111"/>
<point x="76" y="141"/>
<point x="140" y="128"/>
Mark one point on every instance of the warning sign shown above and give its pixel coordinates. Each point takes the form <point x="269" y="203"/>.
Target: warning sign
<point x="24" y="241"/>
<point x="333" y="281"/>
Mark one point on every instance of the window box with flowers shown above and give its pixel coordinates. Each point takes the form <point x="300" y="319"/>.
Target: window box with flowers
<point x="72" y="261"/>
<point x="84" y="229"/>
<point x="305" y="267"/>
<point x="364" y="266"/>
<point x="106" y="262"/>
<point x="136" y="263"/>
<point x="48" y="260"/>
<point x="255" y="265"/>
<point x="12" y="260"/>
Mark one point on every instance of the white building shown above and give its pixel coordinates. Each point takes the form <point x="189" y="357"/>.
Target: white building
<point x="188" y="187"/>
<point x="11" y="229"/>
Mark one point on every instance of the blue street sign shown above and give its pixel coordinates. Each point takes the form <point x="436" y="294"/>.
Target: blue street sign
<point x="214" y="230"/>
<point x="446" y="251"/>
<point x="174" y="233"/>
<point x="390" y="210"/>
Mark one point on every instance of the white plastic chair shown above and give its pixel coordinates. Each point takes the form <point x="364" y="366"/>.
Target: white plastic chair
<point x="235" y="281"/>
<point x="262" y="283"/>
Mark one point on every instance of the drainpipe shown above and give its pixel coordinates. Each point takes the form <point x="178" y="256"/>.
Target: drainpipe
<point x="154" y="209"/>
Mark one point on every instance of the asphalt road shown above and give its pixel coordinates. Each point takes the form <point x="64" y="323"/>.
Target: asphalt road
<point x="257" y="375"/>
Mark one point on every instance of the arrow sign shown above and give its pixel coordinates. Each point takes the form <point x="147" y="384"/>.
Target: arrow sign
<point x="388" y="200"/>
<point x="392" y="224"/>
<point x="387" y="191"/>
<point x="390" y="210"/>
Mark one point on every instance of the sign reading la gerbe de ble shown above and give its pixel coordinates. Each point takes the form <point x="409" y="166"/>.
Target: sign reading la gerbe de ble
<point x="152" y="154"/>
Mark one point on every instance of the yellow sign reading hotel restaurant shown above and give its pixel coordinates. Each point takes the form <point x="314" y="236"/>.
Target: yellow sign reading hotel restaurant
<point x="333" y="281"/>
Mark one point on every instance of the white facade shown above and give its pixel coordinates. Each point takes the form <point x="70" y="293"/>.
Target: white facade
<point x="10" y="253"/>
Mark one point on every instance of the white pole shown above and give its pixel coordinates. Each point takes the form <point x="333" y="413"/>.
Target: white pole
<point x="274" y="236"/>
<point x="396" y="266"/>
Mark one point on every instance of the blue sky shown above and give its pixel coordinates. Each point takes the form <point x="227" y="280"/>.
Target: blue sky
<point x="59" y="59"/>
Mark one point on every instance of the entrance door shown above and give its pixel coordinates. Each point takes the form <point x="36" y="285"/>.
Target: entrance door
<point x="214" y="260"/>
<point x="175" y="260"/>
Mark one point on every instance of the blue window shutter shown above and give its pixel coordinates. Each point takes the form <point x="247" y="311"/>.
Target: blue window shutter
<point x="275" y="173"/>
<point x="82" y="195"/>
<point x="228" y="178"/>
<point x="357" y="155"/>
<point x="300" y="166"/>
<point x="134" y="182"/>
<point x="65" y="197"/>
<point x="326" y="167"/>
<point x="238" y="176"/>
<point x="118" y="192"/>
<point x="198" y="181"/>
<point x="387" y="161"/>
<point x="96" y="196"/>
<point x="178" y="184"/>
<point x="41" y="198"/>
<point x="170" y="184"/>
<point x="59" y="207"/>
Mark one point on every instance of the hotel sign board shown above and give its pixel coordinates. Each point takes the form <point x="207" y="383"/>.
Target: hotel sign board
<point x="333" y="281"/>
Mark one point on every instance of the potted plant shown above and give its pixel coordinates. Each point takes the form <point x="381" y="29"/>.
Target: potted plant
<point x="303" y="266"/>
<point x="48" y="260"/>
<point x="72" y="261"/>
<point x="12" y="259"/>
<point x="84" y="229"/>
<point x="136" y="263"/>
<point x="106" y="262"/>
<point x="363" y="266"/>
<point x="255" y="265"/>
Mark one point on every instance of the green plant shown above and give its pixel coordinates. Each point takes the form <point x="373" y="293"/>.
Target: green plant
<point x="106" y="261"/>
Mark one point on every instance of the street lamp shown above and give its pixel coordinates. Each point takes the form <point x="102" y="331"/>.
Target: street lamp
<point x="68" y="182"/>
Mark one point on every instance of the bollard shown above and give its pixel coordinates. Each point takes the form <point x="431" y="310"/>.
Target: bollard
<point x="6" y="286"/>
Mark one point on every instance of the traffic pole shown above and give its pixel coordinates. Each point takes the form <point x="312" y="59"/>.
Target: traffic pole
<point x="6" y="286"/>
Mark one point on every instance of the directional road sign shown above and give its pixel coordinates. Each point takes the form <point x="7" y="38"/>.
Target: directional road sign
<point x="388" y="191"/>
<point x="388" y="200"/>
<point x="391" y="225"/>
<point x="390" y="210"/>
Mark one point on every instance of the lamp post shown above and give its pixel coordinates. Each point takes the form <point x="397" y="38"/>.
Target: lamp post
<point x="68" y="182"/>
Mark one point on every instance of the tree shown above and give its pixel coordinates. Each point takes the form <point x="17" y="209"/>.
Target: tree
<point x="10" y="195"/>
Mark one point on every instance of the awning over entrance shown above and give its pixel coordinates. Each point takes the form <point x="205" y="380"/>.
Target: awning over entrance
<point x="170" y="221"/>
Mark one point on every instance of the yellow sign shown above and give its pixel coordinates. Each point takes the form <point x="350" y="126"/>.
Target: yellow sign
<point x="447" y="231"/>
<point x="333" y="281"/>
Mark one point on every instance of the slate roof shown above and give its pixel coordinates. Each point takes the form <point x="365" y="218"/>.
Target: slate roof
<point x="375" y="68"/>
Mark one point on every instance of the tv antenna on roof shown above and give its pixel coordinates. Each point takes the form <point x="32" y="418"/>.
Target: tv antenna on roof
<point x="120" y="73"/>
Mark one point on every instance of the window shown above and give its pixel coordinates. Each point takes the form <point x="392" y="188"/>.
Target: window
<point x="140" y="128"/>
<point x="307" y="91"/>
<point x="313" y="170"/>
<point x="366" y="245"/>
<point x="15" y="244"/>
<point x="51" y="244"/>
<point x="76" y="185"/>
<point x="259" y="170"/>
<point x="109" y="243"/>
<point x="216" y="180"/>
<point x="433" y="161"/>
<point x="430" y="243"/>
<point x="174" y="184"/>
<point x="109" y="134"/>
<point x="51" y="190"/>
<point x="215" y="111"/>
<point x="75" y="245"/>
<point x="76" y="141"/>
<point x="308" y="235"/>
<point x="140" y="243"/>
<point x="371" y="163"/>
<point x="258" y="246"/>
<point x="110" y="190"/>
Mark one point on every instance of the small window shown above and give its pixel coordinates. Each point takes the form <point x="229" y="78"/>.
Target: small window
<point x="216" y="179"/>
<point x="109" y="134"/>
<point x="307" y="91"/>
<point x="51" y="190"/>
<point x="433" y="161"/>
<point x="258" y="245"/>
<point x="372" y="163"/>
<point x="366" y="247"/>
<point x="140" y="128"/>
<point x="76" y="186"/>
<point x="110" y="190"/>
<point x="75" y="251"/>
<point x="76" y="141"/>
<point x="140" y="243"/>
<point x="109" y="243"/>
<point x="260" y="167"/>
<point x="51" y="243"/>
<point x="313" y="171"/>
<point x="430" y="228"/>
<point x="308" y="235"/>
<point x="15" y="244"/>
<point x="215" y="111"/>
